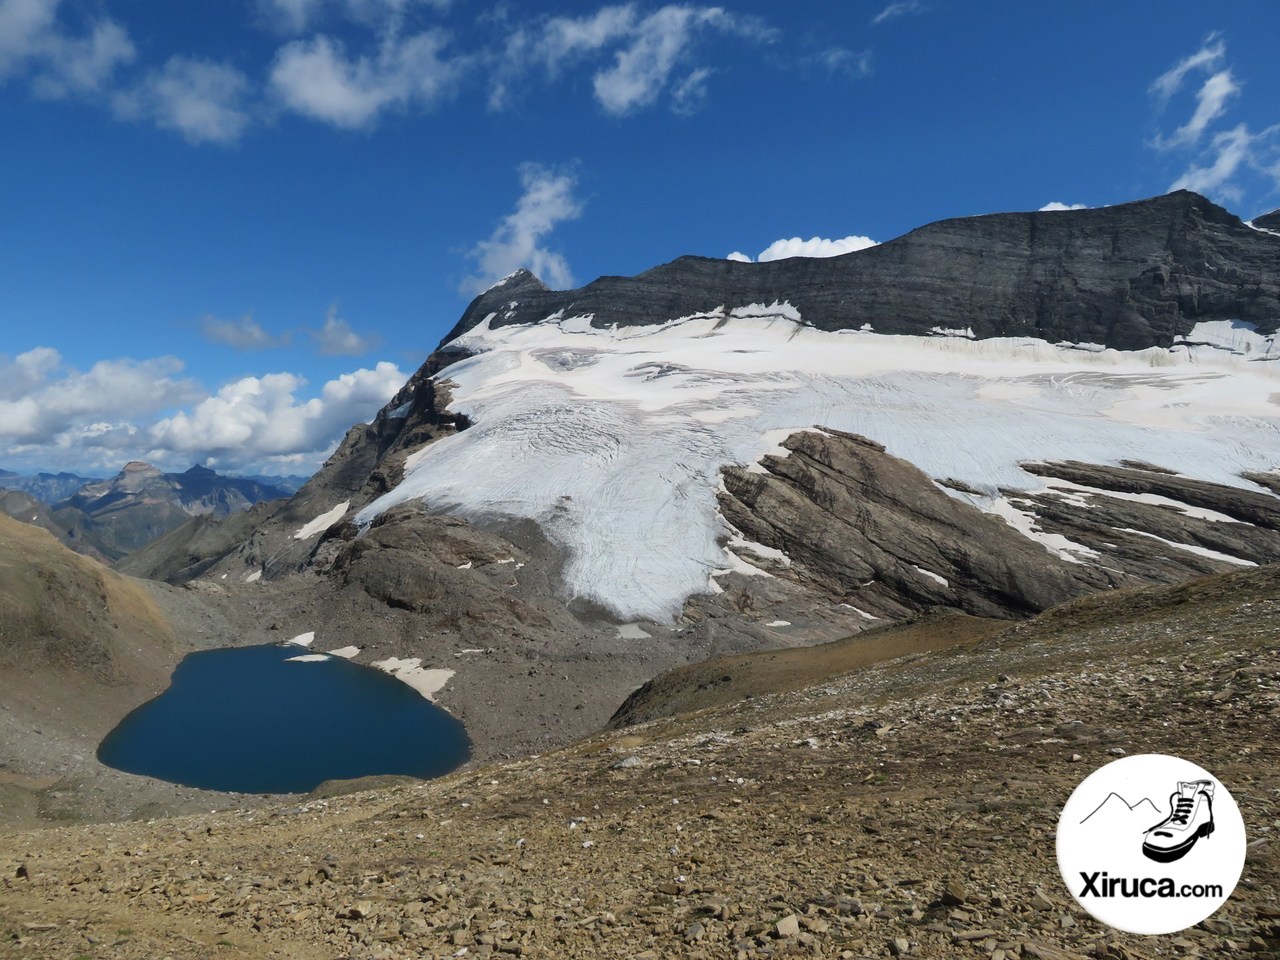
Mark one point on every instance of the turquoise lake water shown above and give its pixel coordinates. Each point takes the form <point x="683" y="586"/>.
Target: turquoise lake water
<point x="249" y="721"/>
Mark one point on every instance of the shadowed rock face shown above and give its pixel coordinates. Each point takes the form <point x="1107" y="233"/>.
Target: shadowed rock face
<point x="1130" y="276"/>
<point x="1268" y="221"/>
<point x="875" y="531"/>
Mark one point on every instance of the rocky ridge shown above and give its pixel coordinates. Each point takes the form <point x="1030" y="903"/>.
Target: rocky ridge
<point x="1130" y="276"/>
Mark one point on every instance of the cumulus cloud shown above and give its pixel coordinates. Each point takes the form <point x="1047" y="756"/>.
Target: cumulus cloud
<point x="651" y="55"/>
<point x="257" y="418"/>
<point x="59" y="62"/>
<point x="797" y="247"/>
<point x="547" y="201"/>
<point x="243" y="334"/>
<point x="52" y="414"/>
<point x="41" y="398"/>
<point x="893" y="11"/>
<point x="319" y="79"/>
<point x="202" y="100"/>
<point x="1054" y="205"/>
<point x="1219" y="161"/>
<point x="337" y="339"/>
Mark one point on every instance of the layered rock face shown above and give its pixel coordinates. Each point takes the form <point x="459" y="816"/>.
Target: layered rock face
<point x="1130" y="276"/>
<point x="876" y="533"/>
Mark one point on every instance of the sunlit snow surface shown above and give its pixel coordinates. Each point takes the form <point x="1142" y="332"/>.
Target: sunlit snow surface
<point x="613" y="439"/>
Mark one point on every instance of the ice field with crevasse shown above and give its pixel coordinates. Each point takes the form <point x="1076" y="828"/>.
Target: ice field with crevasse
<point x="613" y="439"/>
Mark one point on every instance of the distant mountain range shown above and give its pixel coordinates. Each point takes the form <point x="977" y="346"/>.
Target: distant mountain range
<point x="45" y="487"/>
<point x="109" y="519"/>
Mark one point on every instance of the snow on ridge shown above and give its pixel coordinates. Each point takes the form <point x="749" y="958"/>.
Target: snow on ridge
<point x="1233" y="336"/>
<point x="618" y="434"/>
<point x="322" y="522"/>
<point x="1251" y="224"/>
<point x="965" y="332"/>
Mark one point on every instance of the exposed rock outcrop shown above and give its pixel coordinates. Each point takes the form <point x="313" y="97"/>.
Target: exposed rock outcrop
<point x="877" y="533"/>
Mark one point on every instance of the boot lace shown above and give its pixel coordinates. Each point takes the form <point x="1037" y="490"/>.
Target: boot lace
<point x="1182" y="810"/>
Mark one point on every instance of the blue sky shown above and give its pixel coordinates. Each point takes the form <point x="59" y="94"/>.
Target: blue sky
<point x="228" y="230"/>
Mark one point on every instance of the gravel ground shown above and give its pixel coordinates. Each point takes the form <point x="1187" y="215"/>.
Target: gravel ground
<point x="906" y="809"/>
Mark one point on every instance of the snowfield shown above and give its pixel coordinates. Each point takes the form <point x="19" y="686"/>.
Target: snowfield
<point x="612" y="439"/>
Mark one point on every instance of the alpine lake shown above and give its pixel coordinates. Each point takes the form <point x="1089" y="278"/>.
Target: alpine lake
<point x="257" y="720"/>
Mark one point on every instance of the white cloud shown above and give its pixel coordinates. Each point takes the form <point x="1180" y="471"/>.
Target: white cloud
<point x="659" y="43"/>
<point x="243" y="334"/>
<point x="40" y="398"/>
<point x="202" y="100"/>
<point x="1207" y="57"/>
<point x="317" y="78"/>
<point x="256" y="418"/>
<point x="898" y="9"/>
<point x="298" y="15"/>
<point x="52" y="415"/>
<point x="1229" y="150"/>
<point x="60" y="64"/>
<point x="835" y="60"/>
<point x="76" y="67"/>
<point x="653" y="55"/>
<point x="1055" y="205"/>
<point x="813" y="247"/>
<point x="1211" y="102"/>
<point x="1221" y="162"/>
<point x="337" y="339"/>
<point x="517" y="241"/>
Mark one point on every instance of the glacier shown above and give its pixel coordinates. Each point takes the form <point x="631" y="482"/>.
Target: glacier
<point x="612" y="439"/>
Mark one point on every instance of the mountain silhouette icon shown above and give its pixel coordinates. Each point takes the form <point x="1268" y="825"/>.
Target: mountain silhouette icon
<point x="1116" y="807"/>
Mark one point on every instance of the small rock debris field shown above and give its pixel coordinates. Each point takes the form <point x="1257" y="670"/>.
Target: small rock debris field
<point x="908" y="809"/>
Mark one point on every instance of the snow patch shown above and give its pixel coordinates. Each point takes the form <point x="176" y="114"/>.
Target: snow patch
<point x="1234" y="336"/>
<point x="1250" y="223"/>
<point x="937" y="578"/>
<point x="253" y="577"/>
<point x="347" y="653"/>
<point x="303" y="639"/>
<point x="1024" y="522"/>
<point x="778" y="623"/>
<point x="1081" y="491"/>
<point x="426" y="681"/>
<point x="322" y="522"/>
<point x="308" y="658"/>
<point x="1193" y="548"/>
<point x="862" y="613"/>
<point x="400" y="412"/>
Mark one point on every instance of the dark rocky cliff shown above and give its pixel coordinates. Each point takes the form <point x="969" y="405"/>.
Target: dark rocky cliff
<point x="1130" y="276"/>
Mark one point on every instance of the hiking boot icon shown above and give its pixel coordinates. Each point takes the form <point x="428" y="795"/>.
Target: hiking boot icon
<point x="1190" y="818"/>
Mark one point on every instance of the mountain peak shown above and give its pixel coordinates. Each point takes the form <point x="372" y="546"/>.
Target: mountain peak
<point x="518" y="280"/>
<point x="1268" y="221"/>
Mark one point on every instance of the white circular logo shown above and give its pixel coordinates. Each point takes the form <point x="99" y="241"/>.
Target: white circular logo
<point x="1151" y="844"/>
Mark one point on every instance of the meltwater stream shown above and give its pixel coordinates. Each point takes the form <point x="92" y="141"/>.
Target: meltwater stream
<point x="248" y="720"/>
